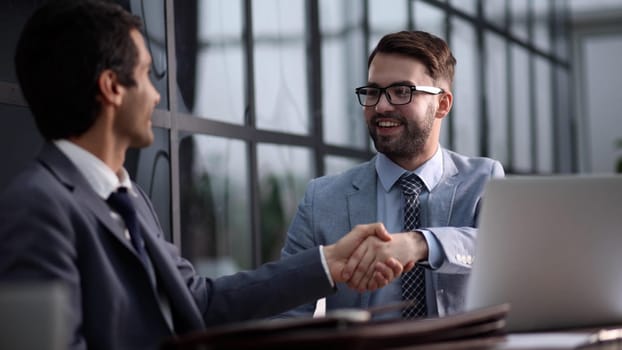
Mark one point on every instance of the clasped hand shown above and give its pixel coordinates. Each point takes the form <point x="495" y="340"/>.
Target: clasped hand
<point x="368" y="257"/>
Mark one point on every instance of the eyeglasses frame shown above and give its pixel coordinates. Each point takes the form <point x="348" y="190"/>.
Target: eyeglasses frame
<point x="431" y="90"/>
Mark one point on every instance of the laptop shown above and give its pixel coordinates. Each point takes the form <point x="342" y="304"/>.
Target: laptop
<point x="551" y="246"/>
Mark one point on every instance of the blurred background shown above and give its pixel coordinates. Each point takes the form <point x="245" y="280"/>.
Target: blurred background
<point x="258" y="98"/>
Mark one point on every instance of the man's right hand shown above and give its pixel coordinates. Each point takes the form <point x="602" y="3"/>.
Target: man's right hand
<point x="343" y="265"/>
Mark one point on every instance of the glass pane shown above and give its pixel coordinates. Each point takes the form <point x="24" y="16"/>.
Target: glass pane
<point x="519" y="14"/>
<point x="544" y="110"/>
<point x="565" y="151"/>
<point x="215" y="210"/>
<point x="338" y="164"/>
<point x="210" y="59"/>
<point x="429" y="18"/>
<point x="150" y="168"/>
<point x="468" y="6"/>
<point x="494" y="11"/>
<point x="344" y="67"/>
<point x="154" y="30"/>
<point x="466" y="110"/>
<point x="386" y="16"/>
<point x="496" y="97"/>
<point x="521" y="115"/>
<point x="541" y="25"/>
<point x="284" y="172"/>
<point x="432" y="19"/>
<point x="280" y="65"/>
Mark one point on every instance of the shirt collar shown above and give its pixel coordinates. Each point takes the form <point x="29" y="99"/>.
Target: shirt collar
<point x="430" y="172"/>
<point x="99" y="176"/>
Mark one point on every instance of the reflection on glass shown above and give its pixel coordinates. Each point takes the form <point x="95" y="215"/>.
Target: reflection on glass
<point x="210" y="59"/>
<point x="344" y="66"/>
<point x="432" y="19"/>
<point x="338" y="164"/>
<point x="215" y="210"/>
<point x="544" y="126"/>
<point x="429" y="18"/>
<point x="494" y="12"/>
<point x="149" y="167"/>
<point x="468" y="6"/>
<point x="154" y="30"/>
<point x="521" y="103"/>
<point x="466" y="110"/>
<point x="496" y="97"/>
<point x="519" y="14"/>
<point x="284" y="172"/>
<point x="281" y="96"/>
<point x="387" y="16"/>
<point x="541" y="25"/>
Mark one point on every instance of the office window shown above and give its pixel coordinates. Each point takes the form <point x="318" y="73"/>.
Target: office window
<point x="284" y="172"/>
<point x="214" y="210"/>
<point x="494" y="12"/>
<point x="429" y="18"/>
<point x="544" y="125"/>
<point x="210" y="53"/>
<point x="344" y="67"/>
<point x="519" y="14"/>
<point x="497" y="97"/>
<point x="542" y="35"/>
<point x="281" y="95"/>
<point x="432" y="19"/>
<point x="520" y="125"/>
<point x="466" y="110"/>
<point x="262" y="101"/>
<point x="335" y="164"/>
<point x="468" y="6"/>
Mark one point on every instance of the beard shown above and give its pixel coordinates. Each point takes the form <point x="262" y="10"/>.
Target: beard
<point x="410" y="142"/>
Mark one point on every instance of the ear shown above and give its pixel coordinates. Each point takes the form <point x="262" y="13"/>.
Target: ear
<point x="110" y="90"/>
<point x="444" y="104"/>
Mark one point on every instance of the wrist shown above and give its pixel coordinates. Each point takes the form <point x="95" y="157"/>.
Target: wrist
<point x="420" y="246"/>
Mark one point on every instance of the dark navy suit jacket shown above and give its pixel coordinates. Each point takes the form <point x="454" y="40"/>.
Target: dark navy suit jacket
<point x="53" y="226"/>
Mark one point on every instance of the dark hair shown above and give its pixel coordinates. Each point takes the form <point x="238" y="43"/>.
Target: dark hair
<point x="431" y="50"/>
<point x="62" y="50"/>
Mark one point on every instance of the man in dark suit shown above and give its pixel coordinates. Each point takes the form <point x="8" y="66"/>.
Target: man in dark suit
<point x="74" y="215"/>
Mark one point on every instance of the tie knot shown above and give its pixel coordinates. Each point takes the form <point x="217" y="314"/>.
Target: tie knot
<point x="411" y="184"/>
<point x="121" y="202"/>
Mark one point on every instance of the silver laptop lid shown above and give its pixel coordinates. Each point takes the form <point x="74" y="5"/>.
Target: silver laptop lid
<point x="552" y="248"/>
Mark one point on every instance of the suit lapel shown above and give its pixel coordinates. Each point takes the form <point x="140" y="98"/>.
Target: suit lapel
<point x="362" y="196"/>
<point x="186" y="313"/>
<point x="442" y="197"/>
<point x="64" y="170"/>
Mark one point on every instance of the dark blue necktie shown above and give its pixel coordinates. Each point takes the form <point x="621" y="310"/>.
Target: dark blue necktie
<point x="413" y="282"/>
<point x="121" y="202"/>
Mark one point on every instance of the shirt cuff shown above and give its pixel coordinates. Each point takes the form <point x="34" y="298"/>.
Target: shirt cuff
<point x="435" y="252"/>
<point x="325" y="265"/>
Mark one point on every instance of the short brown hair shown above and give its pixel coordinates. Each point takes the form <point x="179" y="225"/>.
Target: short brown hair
<point x="431" y="50"/>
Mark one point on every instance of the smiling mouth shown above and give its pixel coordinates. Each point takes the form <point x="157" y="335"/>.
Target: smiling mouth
<point x="387" y="123"/>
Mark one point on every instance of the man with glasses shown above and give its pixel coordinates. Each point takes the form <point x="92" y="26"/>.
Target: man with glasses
<point x="428" y="195"/>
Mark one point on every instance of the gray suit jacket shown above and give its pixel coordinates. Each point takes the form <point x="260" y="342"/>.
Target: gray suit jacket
<point x="53" y="226"/>
<point x="333" y="205"/>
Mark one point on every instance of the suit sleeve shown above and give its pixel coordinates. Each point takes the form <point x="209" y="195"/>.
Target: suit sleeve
<point x="458" y="242"/>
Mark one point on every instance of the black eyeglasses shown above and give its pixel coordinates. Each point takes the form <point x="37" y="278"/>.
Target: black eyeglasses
<point x="398" y="94"/>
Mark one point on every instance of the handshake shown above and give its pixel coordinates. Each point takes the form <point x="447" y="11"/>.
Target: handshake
<point x="368" y="257"/>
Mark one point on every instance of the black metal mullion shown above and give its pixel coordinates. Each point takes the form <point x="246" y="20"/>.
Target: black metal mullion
<point x="314" y="77"/>
<point x="251" y="145"/>
<point x="533" y="111"/>
<point x="173" y="132"/>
